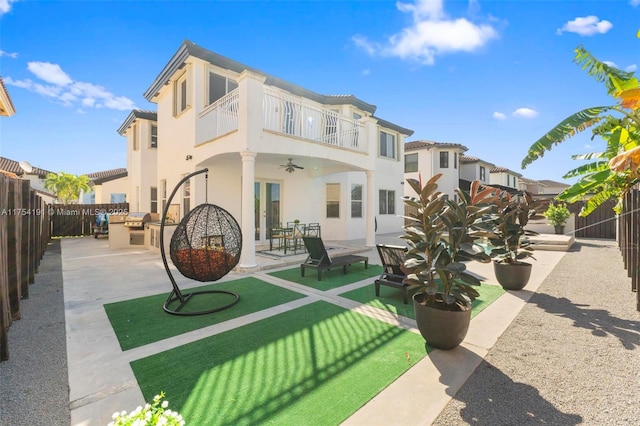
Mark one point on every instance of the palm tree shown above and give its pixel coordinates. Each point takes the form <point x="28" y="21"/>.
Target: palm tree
<point x="612" y="172"/>
<point x="66" y="186"/>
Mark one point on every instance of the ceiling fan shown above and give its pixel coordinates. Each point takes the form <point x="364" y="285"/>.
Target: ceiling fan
<point x="290" y="167"/>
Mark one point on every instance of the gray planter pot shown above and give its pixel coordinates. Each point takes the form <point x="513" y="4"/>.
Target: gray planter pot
<point x="441" y="329"/>
<point x="512" y="276"/>
<point x="559" y="229"/>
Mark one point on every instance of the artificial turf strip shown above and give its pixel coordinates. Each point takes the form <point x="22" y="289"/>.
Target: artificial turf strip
<point x="331" y="279"/>
<point x="141" y="321"/>
<point x="314" y="365"/>
<point x="391" y="299"/>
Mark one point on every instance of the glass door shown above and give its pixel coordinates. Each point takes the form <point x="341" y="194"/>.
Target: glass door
<point x="267" y="208"/>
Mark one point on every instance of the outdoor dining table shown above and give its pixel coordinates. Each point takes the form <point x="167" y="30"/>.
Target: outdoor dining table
<point x="291" y="235"/>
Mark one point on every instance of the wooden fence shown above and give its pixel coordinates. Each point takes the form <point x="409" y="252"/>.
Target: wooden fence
<point x="601" y="223"/>
<point x="75" y="220"/>
<point x="24" y="235"/>
<point x="629" y="237"/>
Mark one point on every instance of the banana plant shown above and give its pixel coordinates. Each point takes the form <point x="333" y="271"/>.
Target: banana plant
<point x="612" y="172"/>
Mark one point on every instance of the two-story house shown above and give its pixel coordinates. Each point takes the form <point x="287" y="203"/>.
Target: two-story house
<point x="502" y="176"/>
<point x="474" y="168"/>
<point x="247" y="127"/>
<point x="428" y="158"/>
<point x="107" y="187"/>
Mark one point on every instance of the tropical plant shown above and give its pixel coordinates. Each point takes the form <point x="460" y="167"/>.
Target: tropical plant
<point x="66" y="186"/>
<point x="557" y="214"/>
<point x="155" y="413"/>
<point x="441" y="234"/>
<point x="612" y="172"/>
<point x="508" y="240"/>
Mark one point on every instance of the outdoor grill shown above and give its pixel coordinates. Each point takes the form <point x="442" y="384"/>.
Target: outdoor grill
<point x="136" y="221"/>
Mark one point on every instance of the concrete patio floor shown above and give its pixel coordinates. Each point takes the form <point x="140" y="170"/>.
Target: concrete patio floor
<point x="102" y="382"/>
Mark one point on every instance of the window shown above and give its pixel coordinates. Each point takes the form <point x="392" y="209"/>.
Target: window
<point x="218" y="86"/>
<point x="333" y="200"/>
<point x="444" y="159"/>
<point x="387" y="202"/>
<point x="356" y="200"/>
<point x="508" y="180"/>
<point x="356" y="131"/>
<point x="483" y="173"/>
<point x="186" y="196"/>
<point x="153" y="143"/>
<point x="153" y="196"/>
<point x="134" y="134"/>
<point x="515" y="182"/>
<point x="387" y="145"/>
<point x="411" y="163"/>
<point x="181" y="95"/>
<point x="455" y="160"/>
<point x="163" y="192"/>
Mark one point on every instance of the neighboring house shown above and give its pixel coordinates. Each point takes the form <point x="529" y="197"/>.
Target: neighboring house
<point x="531" y="186"/>
<point x="141" y="130"/>
<point x="6" y="106"/>
<point x="35" y="176"/>
<point x="553" y="187"/>
<point x="501" y="176"/>
<point x="109" y="186"/>
<point x="244" y="125"/>
<point x="427" y="158"/>
<point x="473" y="168"/>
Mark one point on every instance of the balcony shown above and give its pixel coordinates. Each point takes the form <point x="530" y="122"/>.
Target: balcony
<point x="287" y="115"/>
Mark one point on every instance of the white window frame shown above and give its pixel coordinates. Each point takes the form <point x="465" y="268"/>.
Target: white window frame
<point x="153" y="138"/>
<point x="444" y="164"/>
<point x="134" y="137"/>
<point x="153" y="200"/>
<point x="230" y="85"/>
<point x="406" y="163"/>
<point x="483" y="173"/>
<point x="331" y="200"/>
<point x="388" y="143"/>
<point x="384" y="206"/>
<point x="181" y="101"/>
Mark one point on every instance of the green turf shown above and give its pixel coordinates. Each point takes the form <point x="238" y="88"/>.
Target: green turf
<point x="314" y="365"/>
<point x="141" y="321"/>
<point x="391" y="299"/>
<point x="330" y="279"/>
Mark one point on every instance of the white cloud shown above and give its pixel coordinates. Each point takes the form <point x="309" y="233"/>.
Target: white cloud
<point x="5" y="6"/>
<point x="431" y="34"/>
<point x="586" y="26"/>
<point x="499" y="116"/>
<point x="632" y="67"/>
<point x="12" y="55"/>
<point x="525" y="113"/>
<point x="51" y="73"/>
<point x="611" y="64"/>
<point x="366" y="72"/>
<point x="634" y="3"/>
<point x="67" y="91"/>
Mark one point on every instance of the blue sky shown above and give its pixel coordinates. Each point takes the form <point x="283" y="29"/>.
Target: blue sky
<point x="491" y="75"/>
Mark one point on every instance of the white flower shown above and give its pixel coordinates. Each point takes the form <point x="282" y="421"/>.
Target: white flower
<point x="165" y="404"/>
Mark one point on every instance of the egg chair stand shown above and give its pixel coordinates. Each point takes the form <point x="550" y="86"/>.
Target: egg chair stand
<point x="205" y="246"/>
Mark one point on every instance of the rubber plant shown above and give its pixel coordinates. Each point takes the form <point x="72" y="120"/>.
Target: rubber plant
<point x="441" y="234"/>
<point x="613" y="171"/>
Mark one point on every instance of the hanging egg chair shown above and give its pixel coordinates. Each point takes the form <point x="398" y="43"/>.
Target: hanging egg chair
<point x="205" y="246"/>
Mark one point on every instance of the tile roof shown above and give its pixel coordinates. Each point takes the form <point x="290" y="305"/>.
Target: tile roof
<point x="413" y="145"/>
<point x="554" y="183"/>
<point x="5" y="98"/>
<point x="137" y="113"/>
<point x="498" y="169"/>
<point x="14" y="167"/>
<point x="107" y="175"/>
<point x="467" y="159"/>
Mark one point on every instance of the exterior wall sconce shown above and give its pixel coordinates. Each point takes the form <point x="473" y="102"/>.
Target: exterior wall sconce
<point x="189" y="157"/>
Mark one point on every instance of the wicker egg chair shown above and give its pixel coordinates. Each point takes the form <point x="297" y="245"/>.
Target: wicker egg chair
<point x="205" y="246"/>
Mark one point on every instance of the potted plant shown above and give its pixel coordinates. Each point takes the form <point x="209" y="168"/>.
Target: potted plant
<point x="509" y="244"/>
<point x="557" y="215"/>
<point x="441" y="234"/>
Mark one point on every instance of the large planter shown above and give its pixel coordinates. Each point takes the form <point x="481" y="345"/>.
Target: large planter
<point x="512" y="276"/>
<point x="441" y="329"/>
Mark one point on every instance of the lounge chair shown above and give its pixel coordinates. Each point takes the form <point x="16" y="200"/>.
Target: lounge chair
<point x="320" y="260"/>
<point x="392" y="258"/>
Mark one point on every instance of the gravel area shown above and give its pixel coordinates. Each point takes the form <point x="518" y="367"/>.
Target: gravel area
<point x="34" y="386"/>
<point x="571" y="355"/>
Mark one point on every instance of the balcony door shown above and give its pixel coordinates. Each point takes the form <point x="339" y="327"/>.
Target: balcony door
<point x="267" y="208"/>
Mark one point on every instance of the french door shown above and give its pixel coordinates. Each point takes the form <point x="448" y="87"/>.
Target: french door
<point x="267" y="197"/>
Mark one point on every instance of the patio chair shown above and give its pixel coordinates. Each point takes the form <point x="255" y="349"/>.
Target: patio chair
<point x="392" y="258"/>
<point x="320" y="260"/>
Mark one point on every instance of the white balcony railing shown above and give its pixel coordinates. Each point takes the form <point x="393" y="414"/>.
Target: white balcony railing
<point x="220" y="117"/>
<point x="290" y="115"/>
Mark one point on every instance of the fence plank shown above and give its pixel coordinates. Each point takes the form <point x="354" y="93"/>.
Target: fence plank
<point x="5" y="308"/>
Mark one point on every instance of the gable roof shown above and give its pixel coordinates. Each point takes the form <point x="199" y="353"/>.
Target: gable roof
<point x="415" y="145"/>
<point x="467" y="159"/>
<point x="554" y="183"/>
<point x="6" y="106"/>
<point x="137" y="113"/>
<point x="499" y="169"/>
<point x="13" y="166"/>
<point x="188" y="48"/>
<point x="107" y="175"/>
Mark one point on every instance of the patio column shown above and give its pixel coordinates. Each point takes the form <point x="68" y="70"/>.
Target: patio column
<point x="247" y="221"/>
<point x="370" y="238"/>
